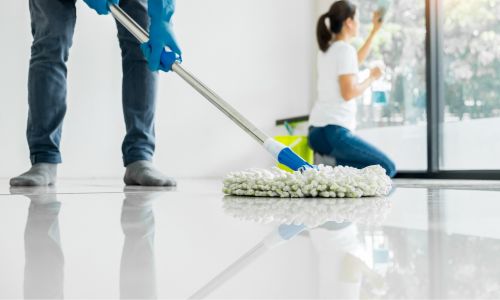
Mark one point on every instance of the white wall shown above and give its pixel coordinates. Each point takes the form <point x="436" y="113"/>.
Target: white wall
<point x="258" y="54"/>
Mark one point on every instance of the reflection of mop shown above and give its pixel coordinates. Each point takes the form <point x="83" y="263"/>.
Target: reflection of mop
<point x="297" y="216"/>
<point x="309" y="212"/>
<point x="324" y="181"/>
<point x="278" y="236"/>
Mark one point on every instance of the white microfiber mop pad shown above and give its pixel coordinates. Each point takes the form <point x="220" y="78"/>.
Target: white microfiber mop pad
<point x="308" y="212"/>
<point x="325" y="182"/>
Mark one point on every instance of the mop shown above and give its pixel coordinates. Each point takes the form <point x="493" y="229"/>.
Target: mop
<point x="303" y="183"/>
<point x="322" y="181"/>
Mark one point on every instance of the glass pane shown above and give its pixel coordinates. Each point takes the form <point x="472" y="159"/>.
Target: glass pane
<point x="471" y="115"/>
<point x="392" y="115"/>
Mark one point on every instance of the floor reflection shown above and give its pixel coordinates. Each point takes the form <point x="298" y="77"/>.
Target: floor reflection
<point x="44" y="258"/>
<point x="434" y="244"/>
<point x="137" y="268"/>
<point x="332" y="226"/>
<point x="449" y="257"/>
<point x="339" y="260"/>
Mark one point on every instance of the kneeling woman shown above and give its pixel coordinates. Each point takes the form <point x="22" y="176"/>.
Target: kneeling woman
<point x="333" y="118"/>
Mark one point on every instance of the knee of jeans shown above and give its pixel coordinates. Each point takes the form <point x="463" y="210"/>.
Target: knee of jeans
<point x="131" y="51"/>
<point x="390" y="168"/>
<point x="53" y="47"/>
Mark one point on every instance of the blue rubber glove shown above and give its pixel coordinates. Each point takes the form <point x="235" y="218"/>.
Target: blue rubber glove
<point x="100" y="6"/>
<point x="160" y="34"/>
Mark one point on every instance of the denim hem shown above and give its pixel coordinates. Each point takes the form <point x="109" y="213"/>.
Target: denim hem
<point x="45" y="158"/>
<point x="132" y="159"/>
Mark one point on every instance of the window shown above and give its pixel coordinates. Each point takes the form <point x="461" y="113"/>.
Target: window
<point x="392" y="115"/>
<point x="471" y="57"/>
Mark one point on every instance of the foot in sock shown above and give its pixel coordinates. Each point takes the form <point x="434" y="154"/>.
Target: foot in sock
<point x="143" y="173"/>
<point x="41" y="174"/>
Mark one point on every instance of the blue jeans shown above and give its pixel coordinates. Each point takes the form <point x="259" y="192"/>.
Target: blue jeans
<point x="348" y="149"/>
<point x="53" y="24"/>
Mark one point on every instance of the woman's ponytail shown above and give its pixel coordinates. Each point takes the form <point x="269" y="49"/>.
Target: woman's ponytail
<point x="323" y="33"/>
<point x="339" y="12"/>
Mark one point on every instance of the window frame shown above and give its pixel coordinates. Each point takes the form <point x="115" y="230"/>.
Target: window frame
<point x="434" y="14"/>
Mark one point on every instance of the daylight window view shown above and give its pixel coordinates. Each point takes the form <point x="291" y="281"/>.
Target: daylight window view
<point x="470" y="109"/>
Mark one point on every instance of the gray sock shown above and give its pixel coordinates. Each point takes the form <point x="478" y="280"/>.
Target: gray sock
<point x="42" y="174"/>
<point x="143" y="173"/>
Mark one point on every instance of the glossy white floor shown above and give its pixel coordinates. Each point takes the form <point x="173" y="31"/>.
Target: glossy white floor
<point x="95" y="239"/>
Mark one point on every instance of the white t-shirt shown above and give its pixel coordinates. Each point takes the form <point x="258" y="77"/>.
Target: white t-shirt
<point x="330" y="108"/>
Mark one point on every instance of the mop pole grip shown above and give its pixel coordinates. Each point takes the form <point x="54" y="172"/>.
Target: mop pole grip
<point x="167" y="59"/>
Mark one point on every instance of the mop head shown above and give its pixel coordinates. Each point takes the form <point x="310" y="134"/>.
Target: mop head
<point x="324" y="182"/>
<point x="308" y="212"/>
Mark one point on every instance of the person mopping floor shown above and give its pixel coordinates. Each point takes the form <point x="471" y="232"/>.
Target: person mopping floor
<point x="53" y="23"/>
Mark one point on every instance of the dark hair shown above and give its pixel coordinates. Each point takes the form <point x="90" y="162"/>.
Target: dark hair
<point x="338" y="13"/>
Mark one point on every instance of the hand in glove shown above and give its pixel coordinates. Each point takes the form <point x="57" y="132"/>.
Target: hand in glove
<point x="161" y="34"/>
<point x="100" y="6"/>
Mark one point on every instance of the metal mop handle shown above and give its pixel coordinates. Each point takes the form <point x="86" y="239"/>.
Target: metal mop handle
<point x="211" y="96"/>
<point x="279" y="151"/>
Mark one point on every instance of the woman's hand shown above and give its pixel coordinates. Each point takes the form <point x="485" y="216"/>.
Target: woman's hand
<point x="365" y="49"/>
<point x="377" y="21"/>
<point x="376" y="73"/>
<point x="350" y="88"/>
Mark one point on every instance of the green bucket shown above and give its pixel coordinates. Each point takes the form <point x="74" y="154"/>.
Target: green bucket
<point x="299" y="144"/>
